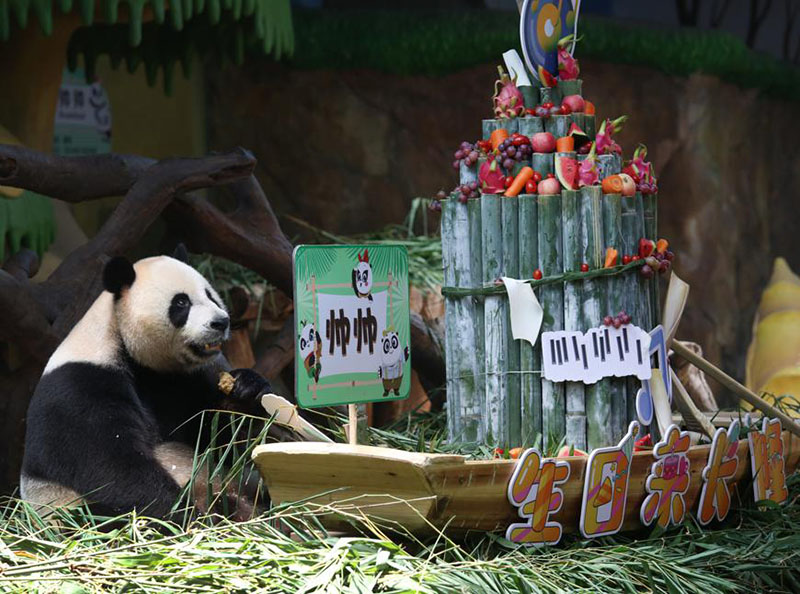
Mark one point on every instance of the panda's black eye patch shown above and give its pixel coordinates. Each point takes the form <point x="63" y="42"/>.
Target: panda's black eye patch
<point x="214" y="301"/>
<point x="179" y="309"/>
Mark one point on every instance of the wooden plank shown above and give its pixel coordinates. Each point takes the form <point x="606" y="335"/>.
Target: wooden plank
<point x="572" y="258"/>
<point x="530" y="356"/>
<point x="426" y="491"/>
<point x="552" y="300"/>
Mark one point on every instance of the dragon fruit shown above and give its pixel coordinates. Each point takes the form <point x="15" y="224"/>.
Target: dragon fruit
<point x="491" y="178"/>
<point x="567" y="65"/>
<point x="642" y="172"/>
<point x="604" y="139"/>
<point x="508" y="101"/>
<point x="587" y="173"/>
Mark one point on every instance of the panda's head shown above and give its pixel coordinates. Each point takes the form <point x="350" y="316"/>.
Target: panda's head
<point x="390" y="344"/>
<point x="307" y="339"/>
<point x="168" y="316"/>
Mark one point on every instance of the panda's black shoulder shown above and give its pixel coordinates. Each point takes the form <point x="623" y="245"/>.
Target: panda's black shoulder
<point x="78" y="402"/>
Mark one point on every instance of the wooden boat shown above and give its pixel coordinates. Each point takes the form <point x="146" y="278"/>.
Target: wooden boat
<point x="428" y="492"/>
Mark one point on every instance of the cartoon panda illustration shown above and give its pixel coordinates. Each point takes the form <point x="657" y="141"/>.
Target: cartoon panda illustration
<point x="362" y="277"/>
<point x="114" y="419"/>
<point x="310" y="349"/>
<point x="392" y="359"/>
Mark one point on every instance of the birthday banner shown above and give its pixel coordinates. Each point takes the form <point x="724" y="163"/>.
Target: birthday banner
<point x="536" y="487"/>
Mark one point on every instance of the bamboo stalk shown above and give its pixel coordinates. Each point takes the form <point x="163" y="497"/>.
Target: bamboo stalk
<point x="468" y="364"/>
<point x="529" y="95"/>
<point x="510" y="267"/>
<point x="631" y="286"/>
<point x="467" y="174"/>
<point x="450" y="338"/>
<point x="557" y="125"/>
<point x="550" y="95"/>
<point x="552" y="299"/>
<point x="543" y="163"/>
<point x="598" y="395"/>
<point x="608" y="164"/>
<point x="495" y="323"/>
<point x="616" y="302"/>
<point x="734" y="386"/>
<point x="530" y="357"/>
<point x="570" y="87"/>
<point x="572" y="260"/>
<point x="578" y="119"/>
<point x="528" y="126"/>
<point x="490" y="125"/>
<point x="650" y="210"/>
<point x="590" y="125"/>
<point x="643" y="294"/>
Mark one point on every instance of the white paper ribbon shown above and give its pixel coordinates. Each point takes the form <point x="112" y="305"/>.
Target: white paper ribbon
<point x="526" y="312"/>
<point x="515" y="68"/>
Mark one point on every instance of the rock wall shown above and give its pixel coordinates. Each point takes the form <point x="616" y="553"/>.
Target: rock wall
<point x="347" y="151"/>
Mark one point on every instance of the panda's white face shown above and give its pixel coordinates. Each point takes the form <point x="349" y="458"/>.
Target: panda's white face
<point x="170" y="318"/>
<point x="363" y="278"/>
<point x="307" y="340"/>
<point x="390" y="348"/>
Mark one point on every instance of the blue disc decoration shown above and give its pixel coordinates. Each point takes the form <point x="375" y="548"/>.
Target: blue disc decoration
<point x="542" y="23"/>
<point x="644" y="407"/>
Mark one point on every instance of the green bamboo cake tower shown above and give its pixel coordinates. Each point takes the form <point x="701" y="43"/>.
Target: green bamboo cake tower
<point x="545" y="196"/>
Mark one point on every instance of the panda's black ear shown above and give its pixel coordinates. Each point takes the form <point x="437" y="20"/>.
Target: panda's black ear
<point x="118" y="274"/>
<point x="181" y="253"/>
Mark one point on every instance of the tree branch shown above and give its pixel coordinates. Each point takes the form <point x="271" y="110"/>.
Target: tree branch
<point x="71" y="179"/>
<point x="718" y="11"/>
<point x="758" y="13"/>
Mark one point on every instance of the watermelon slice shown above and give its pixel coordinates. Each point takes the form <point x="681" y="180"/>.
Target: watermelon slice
<point x="567" y="172"/>
<point x="577" y="134"/>
<point x="547" y="79"/>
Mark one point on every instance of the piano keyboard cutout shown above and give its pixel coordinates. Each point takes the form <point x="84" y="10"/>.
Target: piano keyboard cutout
<point x="600" y="352"/>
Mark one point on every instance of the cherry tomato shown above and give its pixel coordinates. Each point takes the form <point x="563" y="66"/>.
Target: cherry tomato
<point x="537" y="177"/>
<point x="565" y="109"/>
<point x="550" y="175"/>
<point x="547" y="105"/>
<point x="508" y="181"/>
<point x="530" y="186"/>
<point x="626" y="259"/>
<point x="584" y="267"/>
<point x="537" y="274"/>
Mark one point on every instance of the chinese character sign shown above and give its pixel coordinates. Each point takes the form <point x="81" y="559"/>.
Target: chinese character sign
<point x="668" y="480"/>
<point x="533" y="490"/>
<point x="715" y="496"/>
<point x="83" y="117"/>
<point x="352" y="324"/>
<point x="605" y="490"/>
<point x="767" y="464"/>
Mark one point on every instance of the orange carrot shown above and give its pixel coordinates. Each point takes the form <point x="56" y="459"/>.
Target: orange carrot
<point x="612" y="185"/>
<point x="565" y="144"/>
<point x="519" y="182"/>
<point x="661" y="246"/>
<point x="515" y="453"/>
<point x="497" y="137"/>
<point x="611" y="257"/>
<point x="588" y="108"/>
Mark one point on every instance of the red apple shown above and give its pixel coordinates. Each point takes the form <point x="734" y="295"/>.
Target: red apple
<point x="543" y="142"/>
<point x="575" y="103"/>
<point x="628" y="185"/>
<point x="549" y="185"/>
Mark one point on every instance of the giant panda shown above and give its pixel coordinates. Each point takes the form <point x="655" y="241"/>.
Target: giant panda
<point x="107" y="424"/>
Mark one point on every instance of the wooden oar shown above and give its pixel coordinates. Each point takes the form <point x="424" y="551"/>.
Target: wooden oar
<point x="730" y="383"/>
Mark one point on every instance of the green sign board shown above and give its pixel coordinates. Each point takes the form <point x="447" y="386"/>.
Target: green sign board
<point x="352" y="325"/>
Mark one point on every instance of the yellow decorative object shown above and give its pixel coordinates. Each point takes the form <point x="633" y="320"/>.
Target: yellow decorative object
<point x="773" y="358"/>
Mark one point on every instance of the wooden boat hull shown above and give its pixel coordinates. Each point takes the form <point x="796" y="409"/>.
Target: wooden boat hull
<point x="427" y="492"/>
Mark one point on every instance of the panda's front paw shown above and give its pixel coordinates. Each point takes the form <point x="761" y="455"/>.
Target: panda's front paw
<point x="248" y="384"/>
